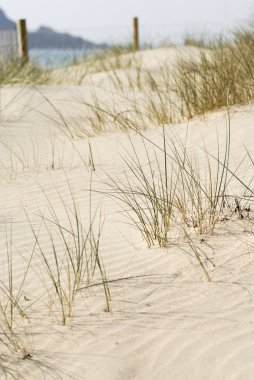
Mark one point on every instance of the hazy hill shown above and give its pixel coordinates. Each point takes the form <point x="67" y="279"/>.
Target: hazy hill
<point x="47" y="38"/>
<point x="5" y="23"/>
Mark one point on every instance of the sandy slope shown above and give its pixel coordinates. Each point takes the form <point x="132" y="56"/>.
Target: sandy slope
<point x="167" y="321"/>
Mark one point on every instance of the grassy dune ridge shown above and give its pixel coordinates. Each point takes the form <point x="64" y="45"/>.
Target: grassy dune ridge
<point x="126" y="219"/>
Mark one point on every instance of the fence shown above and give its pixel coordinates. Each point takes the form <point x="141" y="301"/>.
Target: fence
<point x="153" y="34"/>
<point x="13" y="43"/>
<point x="136" y="34"/>
<point x="8" y="44"/>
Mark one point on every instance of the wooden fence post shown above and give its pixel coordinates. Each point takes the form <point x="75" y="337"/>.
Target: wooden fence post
<point x="135" y="34"/>
<point x="22" y="40"/>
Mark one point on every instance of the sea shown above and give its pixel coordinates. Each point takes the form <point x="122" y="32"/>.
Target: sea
<point x="55" y="58"/>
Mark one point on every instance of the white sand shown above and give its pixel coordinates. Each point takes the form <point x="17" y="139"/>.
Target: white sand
<point x="167" y="321"/>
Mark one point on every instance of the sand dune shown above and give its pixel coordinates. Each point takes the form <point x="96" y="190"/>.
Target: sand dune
<point x="167" y="321"/>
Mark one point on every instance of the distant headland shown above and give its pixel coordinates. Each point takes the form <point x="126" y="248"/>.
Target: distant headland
<point x="47" y="38"/>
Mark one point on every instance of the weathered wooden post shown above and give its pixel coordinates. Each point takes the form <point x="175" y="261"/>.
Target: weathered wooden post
<point x="135" y="34"/>
<point x="22" y="41"/>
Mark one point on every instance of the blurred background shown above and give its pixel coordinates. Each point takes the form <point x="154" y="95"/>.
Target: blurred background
<point x="109" y="22"/>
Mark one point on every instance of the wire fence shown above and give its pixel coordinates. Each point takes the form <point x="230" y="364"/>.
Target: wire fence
<point x="155" y="34"/>
<point x="150" y="35"/>
<point x="8" y="44"/>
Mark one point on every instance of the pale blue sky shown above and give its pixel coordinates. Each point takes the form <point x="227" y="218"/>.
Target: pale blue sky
<point x="111" y="19"/>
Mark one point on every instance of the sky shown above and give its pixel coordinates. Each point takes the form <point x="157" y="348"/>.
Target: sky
<point x="110" y="20"/>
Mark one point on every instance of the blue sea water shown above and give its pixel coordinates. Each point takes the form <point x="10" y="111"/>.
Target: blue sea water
<point x="53" y="58"/>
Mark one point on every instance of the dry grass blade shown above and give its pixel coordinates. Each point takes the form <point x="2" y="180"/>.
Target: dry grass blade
<point x="74" y="254"/>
